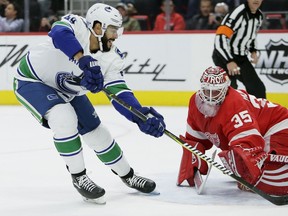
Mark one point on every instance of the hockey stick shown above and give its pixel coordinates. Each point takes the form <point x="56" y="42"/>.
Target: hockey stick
<point x="277" y="200"/>
<point x="198" y="181"/>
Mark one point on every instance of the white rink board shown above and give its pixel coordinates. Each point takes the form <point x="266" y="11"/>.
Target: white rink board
<point x="162" y="62"/>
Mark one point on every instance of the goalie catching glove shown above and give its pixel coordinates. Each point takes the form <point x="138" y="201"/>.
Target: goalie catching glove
<point x="244" y="161"/>
<point x="154" y="125"/>
<point x="190" y="163"/>
<point x="93" y="78"/>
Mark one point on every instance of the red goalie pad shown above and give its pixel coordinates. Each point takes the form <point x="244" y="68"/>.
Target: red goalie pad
<point x="274" y="179"/>
<point x="190" y="163"/>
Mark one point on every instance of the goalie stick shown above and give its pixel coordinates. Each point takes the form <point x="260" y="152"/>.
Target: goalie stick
<point x="198" y="180"/>
<point x="277" y="200"/>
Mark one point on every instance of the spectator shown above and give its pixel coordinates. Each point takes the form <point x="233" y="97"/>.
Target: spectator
<point x="176" y="21"/>
<point x="201" y="20"/>
<point x="192" y="8"/>
<point x="231" y="3"/>
<point x="12" y="22"/>
<point x="35" y="15"/>
<point x="129" y="23"/>
<point x="220" y="10"/>
<point x="151" y="8"/>
<point x="45" y="6"/>
<point x="3" y="4"/>
<point x="46" y="23"/>
<point x="131" y="9"/>
<point x="235" y="38"/>
<point x="181" y="6"/>
<point x="194" y="5"/>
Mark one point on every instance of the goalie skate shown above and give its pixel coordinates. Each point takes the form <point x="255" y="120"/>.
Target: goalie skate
<point x="90" y="191"/>
<point x="139" y="183"/>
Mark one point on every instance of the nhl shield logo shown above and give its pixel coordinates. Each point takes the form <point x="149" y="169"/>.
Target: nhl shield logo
<point x="273" y="61"/>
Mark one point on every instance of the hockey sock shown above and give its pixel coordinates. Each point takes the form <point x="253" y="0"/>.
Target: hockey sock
<point x="70" y="149"/>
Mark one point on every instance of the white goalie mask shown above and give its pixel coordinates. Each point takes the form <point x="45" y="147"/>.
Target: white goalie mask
<point x="107" y="16"/>
<point x="214" y="85"/>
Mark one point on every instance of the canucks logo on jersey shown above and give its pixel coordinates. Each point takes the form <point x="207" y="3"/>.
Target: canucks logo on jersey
<point x="68" y="83"/>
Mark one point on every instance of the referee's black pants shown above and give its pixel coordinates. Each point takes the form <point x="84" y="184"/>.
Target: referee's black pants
<point x="248" y="75"/>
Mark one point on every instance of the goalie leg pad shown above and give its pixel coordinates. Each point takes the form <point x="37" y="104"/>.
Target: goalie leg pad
<point x="186" y="171"/>
<point x="274" y="179"/>
<point x="190" y="163"/>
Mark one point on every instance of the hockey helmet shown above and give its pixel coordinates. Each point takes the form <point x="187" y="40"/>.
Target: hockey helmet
<point x="106" y="15"/>
<point x="214" y="85"/>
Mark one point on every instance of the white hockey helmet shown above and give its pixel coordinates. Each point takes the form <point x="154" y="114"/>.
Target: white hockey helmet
<point x="214" y="85"/>
<point x="106" y="15"/>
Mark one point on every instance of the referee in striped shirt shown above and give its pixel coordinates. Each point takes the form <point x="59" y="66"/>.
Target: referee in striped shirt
<point x="235" y="38"/>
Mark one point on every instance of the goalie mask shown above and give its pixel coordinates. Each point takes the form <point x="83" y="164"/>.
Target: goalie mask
<point x="109" y="17"/>
<point x="214" y="85"/>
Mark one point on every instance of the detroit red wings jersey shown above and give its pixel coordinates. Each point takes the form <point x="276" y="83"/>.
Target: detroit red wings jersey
<point x="242" y="118"/>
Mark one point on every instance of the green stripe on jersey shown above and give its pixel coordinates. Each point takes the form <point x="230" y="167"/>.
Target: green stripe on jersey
<point x="61" y="23"/>
<point x="68" y="146"/>
<point x="117" y="89"/>
<point x="111" y="155"/>
<point x="25" y="70"/>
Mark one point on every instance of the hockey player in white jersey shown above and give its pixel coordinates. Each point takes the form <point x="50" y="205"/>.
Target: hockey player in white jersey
<point x="52" y="80"/>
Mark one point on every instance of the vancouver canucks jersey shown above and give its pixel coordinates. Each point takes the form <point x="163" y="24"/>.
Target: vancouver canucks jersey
<point x="47" y="64"/>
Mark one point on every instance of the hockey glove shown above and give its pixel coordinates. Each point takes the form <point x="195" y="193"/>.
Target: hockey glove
<point x="244" y="161"/>
<point x="154" y="125"/>
<point x="93" y="78"/>
<point x="190" y="163"/>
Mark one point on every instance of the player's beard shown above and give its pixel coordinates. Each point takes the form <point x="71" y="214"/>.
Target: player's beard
<point x="105" y="41"/>
<point x="206" y="109"/>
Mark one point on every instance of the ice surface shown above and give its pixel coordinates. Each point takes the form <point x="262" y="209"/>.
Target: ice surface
<point x="34" y="180"/>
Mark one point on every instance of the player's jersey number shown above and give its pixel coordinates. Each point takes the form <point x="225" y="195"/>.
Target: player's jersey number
<point x="240" y="118"/>
<point x="70" y="18"/>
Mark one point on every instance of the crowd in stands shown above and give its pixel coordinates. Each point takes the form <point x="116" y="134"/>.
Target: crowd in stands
<point x="42" y="14"/>
<point x="141" y="15"/>
<point x="128" y="11"/>
<point x="10" y="18"/>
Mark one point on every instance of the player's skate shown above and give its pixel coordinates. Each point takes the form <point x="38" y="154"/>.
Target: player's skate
<point x="139" y="183"/>
<point x="88" y="189"/>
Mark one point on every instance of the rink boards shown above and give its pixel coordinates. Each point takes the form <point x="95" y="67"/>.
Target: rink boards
<point x="162" y="68"/>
